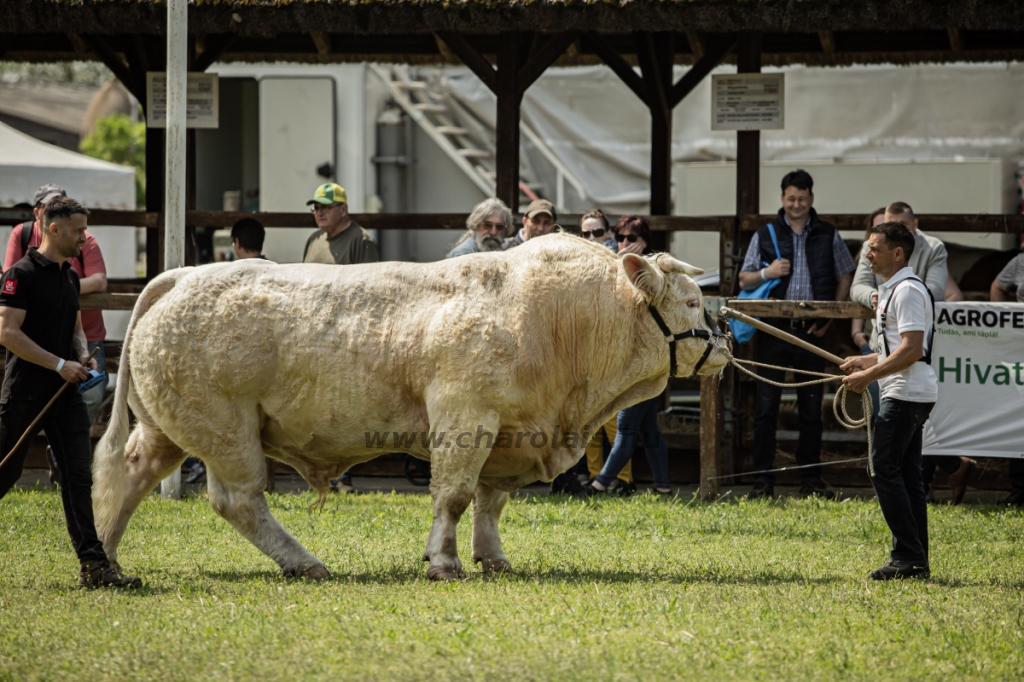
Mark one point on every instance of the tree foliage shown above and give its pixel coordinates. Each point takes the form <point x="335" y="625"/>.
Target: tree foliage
<point x="118" y="140"/>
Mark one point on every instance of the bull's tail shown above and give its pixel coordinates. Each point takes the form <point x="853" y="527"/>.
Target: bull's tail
<point x="108" y="466"/>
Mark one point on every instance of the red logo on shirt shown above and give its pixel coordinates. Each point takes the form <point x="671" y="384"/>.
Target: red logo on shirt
<point x="10" y="286"/>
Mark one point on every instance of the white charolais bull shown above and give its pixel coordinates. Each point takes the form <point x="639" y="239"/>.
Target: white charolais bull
<point x="310" y="363"/>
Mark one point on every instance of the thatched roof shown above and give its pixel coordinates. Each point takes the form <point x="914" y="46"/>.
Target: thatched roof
<point x="795" y="31"/>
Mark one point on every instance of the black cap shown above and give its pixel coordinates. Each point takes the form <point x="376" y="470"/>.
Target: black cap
<point x="47" y="192"/>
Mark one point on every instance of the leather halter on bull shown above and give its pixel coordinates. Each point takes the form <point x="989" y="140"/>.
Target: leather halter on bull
<point x="671" y="338"/>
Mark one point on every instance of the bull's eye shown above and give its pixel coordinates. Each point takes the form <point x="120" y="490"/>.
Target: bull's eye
<point x="693" y="304"/>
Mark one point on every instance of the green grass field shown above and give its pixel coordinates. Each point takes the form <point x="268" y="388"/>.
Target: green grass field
<point x="610" y="589"/>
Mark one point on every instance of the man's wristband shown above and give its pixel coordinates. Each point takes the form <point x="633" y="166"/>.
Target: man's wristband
<point x="763" y="278"/>
<point x="60" y="366"/>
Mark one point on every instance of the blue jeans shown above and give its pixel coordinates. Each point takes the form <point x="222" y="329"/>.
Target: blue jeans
<point x="94" y="396"/>
<point x="639" y="420"/>
<point x="898" y="483"/>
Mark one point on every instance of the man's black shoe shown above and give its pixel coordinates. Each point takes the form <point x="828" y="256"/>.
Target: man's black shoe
<point x="898" y="570"/>
<point x="761" y="490"/>
<point x="817" y="488"/>
<point x="196" y="473"/>
<point x="94" y="574"/>
<point x="51" y="461"/>
<point x="1015" y="499"/>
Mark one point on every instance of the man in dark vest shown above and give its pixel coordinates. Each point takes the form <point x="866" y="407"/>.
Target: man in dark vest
<point x="812" y="263"/>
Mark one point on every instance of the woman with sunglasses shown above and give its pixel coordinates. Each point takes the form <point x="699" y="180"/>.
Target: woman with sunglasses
<point x="633" y="235"/>
<point x="594" y="227"/>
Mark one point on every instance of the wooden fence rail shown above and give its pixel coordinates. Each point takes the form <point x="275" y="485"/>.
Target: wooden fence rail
<point x="978" y="223"/>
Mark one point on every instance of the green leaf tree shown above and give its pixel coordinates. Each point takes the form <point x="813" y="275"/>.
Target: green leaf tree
<point x="118" y="140"/>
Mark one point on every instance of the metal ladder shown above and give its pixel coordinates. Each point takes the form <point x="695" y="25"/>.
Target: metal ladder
<point x="426" y="107"/>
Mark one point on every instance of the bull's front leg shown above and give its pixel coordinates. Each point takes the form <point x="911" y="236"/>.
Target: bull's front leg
<point x="455" y="468"/>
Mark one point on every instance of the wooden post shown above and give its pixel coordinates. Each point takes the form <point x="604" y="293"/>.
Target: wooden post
<point x="174" y="179"/>
<point x="507" y="124"/>
<point x="154" y="199"/>
<point x="658" y="72"/>
<point x="718" y="446"/>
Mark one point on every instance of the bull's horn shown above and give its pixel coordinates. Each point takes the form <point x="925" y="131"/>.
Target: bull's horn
<point x="669" y="264"/>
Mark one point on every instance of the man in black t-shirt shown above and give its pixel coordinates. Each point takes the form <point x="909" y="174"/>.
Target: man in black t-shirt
<point x="41" y="327"/>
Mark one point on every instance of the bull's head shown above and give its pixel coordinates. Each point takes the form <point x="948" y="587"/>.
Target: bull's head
<point x="676" y="305"/>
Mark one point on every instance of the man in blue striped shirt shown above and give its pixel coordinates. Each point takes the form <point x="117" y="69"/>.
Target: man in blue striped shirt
<point x="811" y="263"/>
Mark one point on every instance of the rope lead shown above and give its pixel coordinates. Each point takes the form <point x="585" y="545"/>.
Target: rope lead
<point x="838" y="404"/>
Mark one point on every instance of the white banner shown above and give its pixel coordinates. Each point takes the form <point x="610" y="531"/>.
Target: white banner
<point x="979" y="362"/>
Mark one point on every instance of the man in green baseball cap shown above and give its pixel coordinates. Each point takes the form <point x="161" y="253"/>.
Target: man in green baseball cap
<point x="340" y="240"/>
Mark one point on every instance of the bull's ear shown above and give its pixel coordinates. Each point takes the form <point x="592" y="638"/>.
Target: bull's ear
<point x="643" y="275"/>
<point x="669" y="264"/>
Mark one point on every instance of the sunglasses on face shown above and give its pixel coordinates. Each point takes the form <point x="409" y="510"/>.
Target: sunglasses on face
<point x="623" y="237"/>
<point x="488" y="225"/>
<point x="597" y="233"/>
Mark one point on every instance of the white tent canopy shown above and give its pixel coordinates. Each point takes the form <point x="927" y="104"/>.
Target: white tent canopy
<point x="26" y="164"/>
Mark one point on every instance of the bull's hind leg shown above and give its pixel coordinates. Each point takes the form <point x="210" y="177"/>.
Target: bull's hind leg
<point x="150" y="457"/>
<point x="487" y="506"/>
<point x="455" y="467"/>
<point x="226" y="435"/>
<point x="236" y="493"/>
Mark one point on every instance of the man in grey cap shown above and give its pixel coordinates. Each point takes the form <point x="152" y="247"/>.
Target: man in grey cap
<point x="540" y="219"/>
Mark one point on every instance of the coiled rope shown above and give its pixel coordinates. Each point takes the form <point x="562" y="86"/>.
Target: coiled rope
<point x="838" y="403"/>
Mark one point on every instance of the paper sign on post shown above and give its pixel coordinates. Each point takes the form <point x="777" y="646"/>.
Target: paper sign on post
<point x="202" y="109"/>
<point x="748" y="101"/>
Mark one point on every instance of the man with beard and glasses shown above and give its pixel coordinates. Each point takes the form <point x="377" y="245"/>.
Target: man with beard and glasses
<point x="488" y="225"/>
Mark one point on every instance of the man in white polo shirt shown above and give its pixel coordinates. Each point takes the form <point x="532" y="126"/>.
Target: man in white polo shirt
<point x="902" y="367"/>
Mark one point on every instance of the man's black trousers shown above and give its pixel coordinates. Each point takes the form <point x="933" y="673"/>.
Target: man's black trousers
<point x="67" y="430"/>
<point x="773" y="351"/>
<point x="898" y="483"/>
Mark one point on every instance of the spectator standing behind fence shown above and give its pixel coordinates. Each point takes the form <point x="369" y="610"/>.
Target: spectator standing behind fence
<point x="813" y="264"/>
<point x="340" y="241"/>
<point x="540" y="219"/>
<point x="92" y="273"/>
<point x="487" y="228"/>
<point x="594" y="227"/>
<point x="41" y="327"/>
<point x="905" y="318"/>
<point x="633" y="235"/>
<point x="247" y="237"/>
<point x="928" y="262"/>
<point x="1008" y="283"/>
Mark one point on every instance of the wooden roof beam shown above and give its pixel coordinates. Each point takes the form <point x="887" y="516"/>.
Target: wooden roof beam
<point x="215" y="45"/>
<point x="322" y="41"/>
<point x="956" y="40"/>
<point x="617" y="64"/>
<point x="471" y="58"/>
<point x="117" y="66"/>
<point x="713" y="56"/>
<point x="696" y="44"/>
<point x="542" y="57"/>
<point x="828" y="42"/>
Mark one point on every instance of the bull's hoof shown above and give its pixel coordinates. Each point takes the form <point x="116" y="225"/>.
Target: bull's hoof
<point x="314" y="572"/>
<point x="495" y="566"/>
<point x="439" y="573"/>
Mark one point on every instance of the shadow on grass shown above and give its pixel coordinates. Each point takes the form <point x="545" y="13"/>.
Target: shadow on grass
<point x="547" y="576"/>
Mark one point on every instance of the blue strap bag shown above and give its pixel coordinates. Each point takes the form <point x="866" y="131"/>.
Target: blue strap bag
<point x="743" y="332"/>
